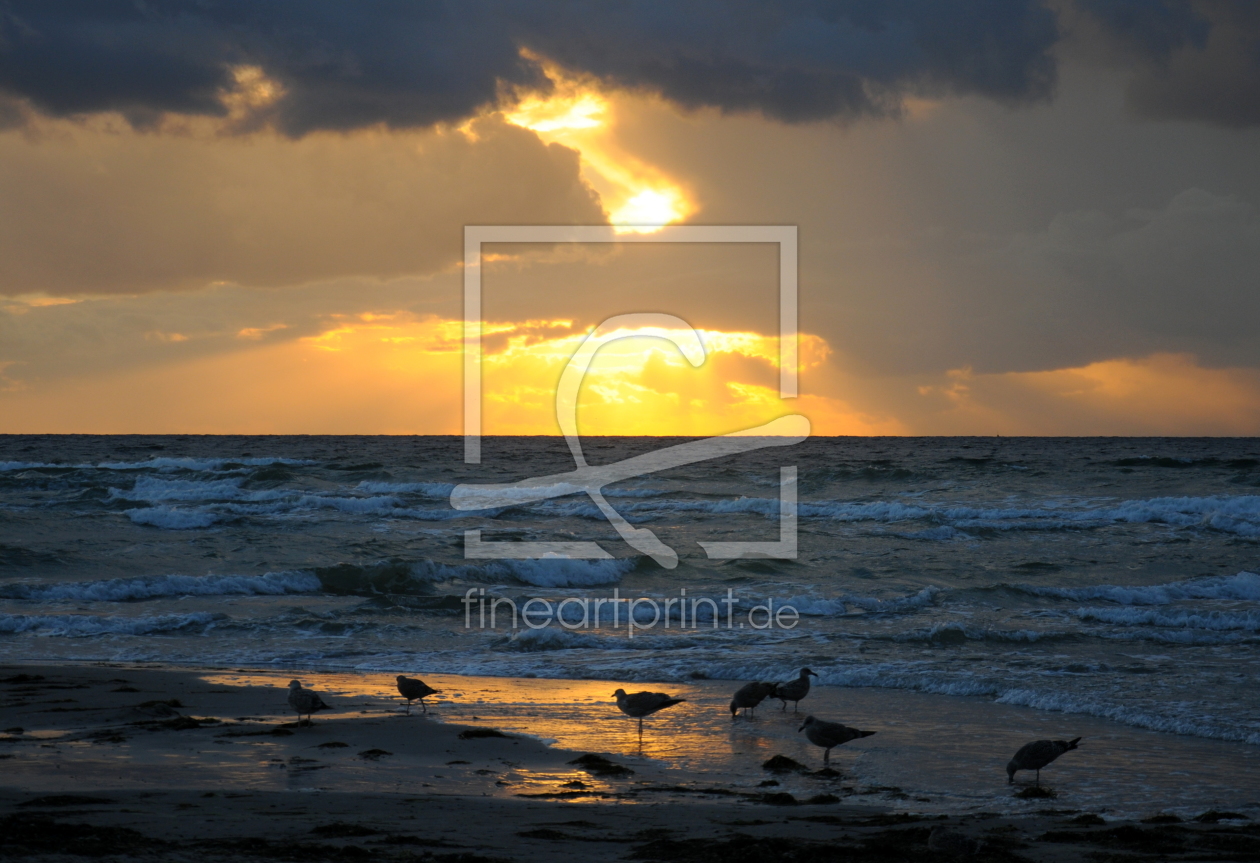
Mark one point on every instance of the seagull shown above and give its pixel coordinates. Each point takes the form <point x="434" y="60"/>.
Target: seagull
<point x="1036" y="755"/>
<point x="829" y="735"/>
<point x="749" y="696"/>
<point x="305" y="701"/>
<point x="641" y="704"/>
<point x="794" y="690"/>
<point x="410" y="688"/>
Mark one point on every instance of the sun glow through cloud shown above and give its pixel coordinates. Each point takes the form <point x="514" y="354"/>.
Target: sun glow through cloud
<point x="639" y="197"/>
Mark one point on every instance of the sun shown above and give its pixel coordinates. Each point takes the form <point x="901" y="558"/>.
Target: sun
<point x="639" y="197"/>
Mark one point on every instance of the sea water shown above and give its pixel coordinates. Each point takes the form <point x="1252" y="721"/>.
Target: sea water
<point x="1108" y="580"/>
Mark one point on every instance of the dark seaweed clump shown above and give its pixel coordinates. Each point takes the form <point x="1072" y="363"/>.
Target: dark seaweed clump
<point x="598" y="765"/>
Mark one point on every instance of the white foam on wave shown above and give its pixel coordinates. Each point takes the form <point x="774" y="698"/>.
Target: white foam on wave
<point x="813" y="606"/>
<point x="6" y="466"/>
<point x="1062" y="702"/>
<point x="153" y="489"/>
<point x="563" y="572"/>
<point x="169" y="465"/>
<point x="152" y="587"/>
<point x="1185" y="637"/>
<point x="358" y="505"/>
<point x="86" y="625"/>
<point x="614" y="491"/>
<point x="1243" y="586"/>
<point x="556" y="638"/>
<point x="549" y="638"/>
<point x="1210" y="620"/>
<point x="816" y="606"/>
<point x="427" y="489"/>
<point x="954" y="631"/>
<point x="442" y="514"/>
<point x="1239" y="515"/>
<point x="161" y="465"/>
<point x="923" y="598"/>
<point x="171" y="518"/>
<point x="545" y="572"/>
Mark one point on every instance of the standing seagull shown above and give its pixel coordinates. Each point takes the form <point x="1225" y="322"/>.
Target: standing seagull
<point x="794" y="690"/>
<point x="410" y="688"/>
<point x="305" y="701"/>
<point x="829" y="735"/>
<point x="749" y="696"/>
<point x="641" y="704"/>
<point x="1036" y="755"/>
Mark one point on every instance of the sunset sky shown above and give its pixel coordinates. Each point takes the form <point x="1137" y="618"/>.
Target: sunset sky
<point x="1015" y="216"/>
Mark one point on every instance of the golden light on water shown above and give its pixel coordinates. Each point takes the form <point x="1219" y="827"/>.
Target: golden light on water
<point x="639" y="197"/>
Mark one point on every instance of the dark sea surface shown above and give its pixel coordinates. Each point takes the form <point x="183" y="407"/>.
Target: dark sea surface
<point x="1109" y="578"/>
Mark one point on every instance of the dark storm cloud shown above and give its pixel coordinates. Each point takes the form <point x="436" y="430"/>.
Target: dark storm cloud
<point x="416" y="63"/>
<point x="343" y="65"/>
<point x="1187" y="59"/>
<point x="1153" y="28"/>
<point x="807" y="60"/>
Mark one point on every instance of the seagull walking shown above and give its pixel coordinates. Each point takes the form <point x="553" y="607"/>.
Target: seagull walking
<point x="749" y="696"/>
<point x="1036" y="755"/>
<point x="411" y="689"/>
<point x="794" y="690"/>
<point x="305" y="701"/>
<point x="641" y="704"/>
<point x="829" y="735"/>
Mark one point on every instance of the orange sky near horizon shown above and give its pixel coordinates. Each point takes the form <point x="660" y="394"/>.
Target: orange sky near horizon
<point x="401" y="374"/>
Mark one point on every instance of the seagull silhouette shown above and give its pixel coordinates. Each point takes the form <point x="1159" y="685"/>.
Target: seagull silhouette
<point x="305" y="701"/>
<point x="829" y="735"/>
<point x="1036" y="755"/>
<point x="410" y="688"/>
<point x="748" y="696"/>
<point x="641" y="704"/>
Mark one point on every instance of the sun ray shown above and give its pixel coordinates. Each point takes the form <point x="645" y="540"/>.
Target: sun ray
<point x="639" y="197"/>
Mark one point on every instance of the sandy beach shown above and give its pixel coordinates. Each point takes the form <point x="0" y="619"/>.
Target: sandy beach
<point x="152" y="763"/>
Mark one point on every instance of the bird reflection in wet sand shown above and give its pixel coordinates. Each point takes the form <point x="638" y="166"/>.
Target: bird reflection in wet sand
<point x="749" y="696"/>
<point x="641" y="704"/>
<point x="1036" y="755"/>
<point x="412" y="688"/>
<point x="829" y="735"/>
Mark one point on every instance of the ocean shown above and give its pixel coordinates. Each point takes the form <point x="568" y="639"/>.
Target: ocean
<point x="1110" y="582"/>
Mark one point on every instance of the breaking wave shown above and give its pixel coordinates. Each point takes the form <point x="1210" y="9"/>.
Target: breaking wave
<point x="1212" y="620"/>
<point x="1243" y="586"/>
<point x="86" y="625"/>
<point x="171" y="518"/>
<point x="130" y="589"/>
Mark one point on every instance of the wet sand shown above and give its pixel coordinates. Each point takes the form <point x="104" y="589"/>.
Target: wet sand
<point x="154" y="763"/>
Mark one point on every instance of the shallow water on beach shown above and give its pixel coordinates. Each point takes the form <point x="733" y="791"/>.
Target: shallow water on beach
<point x="1101" y="583"/>
<point x="931" y="753"/>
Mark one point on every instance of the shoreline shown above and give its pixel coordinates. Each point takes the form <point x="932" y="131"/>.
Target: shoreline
<point x="110" y="769"/>
<point x="933" y="754"/>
